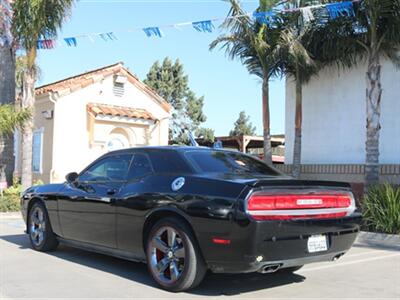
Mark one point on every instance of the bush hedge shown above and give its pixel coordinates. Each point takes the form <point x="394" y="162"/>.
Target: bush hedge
<point x="381" y="209"/>
<point x="9" y="203"/>
<point x="10" y="200"/>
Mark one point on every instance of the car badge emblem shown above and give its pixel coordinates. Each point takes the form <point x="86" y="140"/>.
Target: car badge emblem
<point x="177" y="184"/>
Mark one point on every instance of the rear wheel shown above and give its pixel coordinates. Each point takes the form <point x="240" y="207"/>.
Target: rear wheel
<point x="173" y="257"/>
<point x="40" y="233"/>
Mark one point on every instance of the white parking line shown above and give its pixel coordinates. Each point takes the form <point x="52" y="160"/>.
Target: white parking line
<point x="350" y="262"/>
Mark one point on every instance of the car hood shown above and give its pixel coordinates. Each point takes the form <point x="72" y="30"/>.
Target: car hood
<point x="46" y="188"/>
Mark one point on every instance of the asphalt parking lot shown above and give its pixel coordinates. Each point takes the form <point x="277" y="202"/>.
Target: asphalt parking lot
<point x="364" y="272"/>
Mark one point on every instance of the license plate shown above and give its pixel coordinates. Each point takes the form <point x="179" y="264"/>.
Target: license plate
<point x="317" y="243"/>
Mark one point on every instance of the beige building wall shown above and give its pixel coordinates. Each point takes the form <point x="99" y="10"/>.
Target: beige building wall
<point x="43" y="106"/>
<point x="69" y="145"/>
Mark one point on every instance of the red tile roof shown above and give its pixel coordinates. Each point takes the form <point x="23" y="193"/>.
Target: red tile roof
<point x="119" y="111"/>
<point x="71" y="84"/>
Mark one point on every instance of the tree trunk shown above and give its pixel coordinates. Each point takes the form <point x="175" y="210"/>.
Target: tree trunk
<point x="28" y="101"/>
<point x="297" y="129"/>
<point x="373" y="105"/>
<point x="266" y="121"/>
<point x="7" y="96"/>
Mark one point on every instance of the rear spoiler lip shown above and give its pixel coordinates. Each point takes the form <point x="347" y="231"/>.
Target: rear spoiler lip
<point x="301" y="184"/>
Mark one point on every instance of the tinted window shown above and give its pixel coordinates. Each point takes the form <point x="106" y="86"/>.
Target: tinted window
<point x="167" y="161"/>
<point x="228" y="162"/>
<point x="140" y="166"/>
<point x="114" y="168"/>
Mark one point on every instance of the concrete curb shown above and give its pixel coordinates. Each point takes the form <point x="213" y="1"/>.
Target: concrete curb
<point x="10" y="215"/>
<point x="378" y="240"/>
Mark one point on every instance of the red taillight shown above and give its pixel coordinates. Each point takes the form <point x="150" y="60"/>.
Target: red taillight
<point x="221" y="241"/>
<point x="298" y="206"/>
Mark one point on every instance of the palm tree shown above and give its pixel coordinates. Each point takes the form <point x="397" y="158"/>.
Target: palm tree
<point x="7" y="85"/>
<point x="34" y="20"/>
<point x="371" y="34"/>
<point x="295" y="62"/>
<point x="252" y="43"/>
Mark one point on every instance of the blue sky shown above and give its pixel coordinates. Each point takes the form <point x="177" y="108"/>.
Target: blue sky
<point x="225" y="84"/>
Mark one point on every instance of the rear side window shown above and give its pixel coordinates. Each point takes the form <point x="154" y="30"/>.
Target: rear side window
<point x="114" y="168"/>
<point x="229" y="163"/>
<point x="167" y="161"/>
<point x="140" y="166"/>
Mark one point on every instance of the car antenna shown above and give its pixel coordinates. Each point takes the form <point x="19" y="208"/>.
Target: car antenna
<point x="192" y="139"/>
<point x="217" y="144"/>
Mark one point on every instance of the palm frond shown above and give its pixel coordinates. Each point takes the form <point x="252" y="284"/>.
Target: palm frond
<point x="11" y="119"/>
<point x="248" y="41"/>
<point x="347" y="41"/>
<point x="38" y="19"/>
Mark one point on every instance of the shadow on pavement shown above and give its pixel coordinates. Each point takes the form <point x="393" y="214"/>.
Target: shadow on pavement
<point x="213" y="284"/>
<point x="235" y="284"/>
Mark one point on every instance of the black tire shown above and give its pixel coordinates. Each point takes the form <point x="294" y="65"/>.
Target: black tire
<point x="192" y="266"/>
<point x="40" y="232"/>
<point x="291" y="269"/>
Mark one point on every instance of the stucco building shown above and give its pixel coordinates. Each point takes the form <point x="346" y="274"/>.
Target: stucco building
<point x="82" y="117"/>
<point x="334" y="124"/>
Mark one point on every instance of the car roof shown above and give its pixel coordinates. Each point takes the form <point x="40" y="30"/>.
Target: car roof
<point x="178" y="148"/>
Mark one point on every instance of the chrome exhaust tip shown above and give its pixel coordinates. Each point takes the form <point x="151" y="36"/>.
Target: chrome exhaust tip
<point x="270" y="268"/>
<point x="336" y="257"/>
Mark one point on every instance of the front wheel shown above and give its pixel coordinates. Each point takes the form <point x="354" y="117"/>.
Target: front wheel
<point x="173" y="257"/>
<point x="40" y="233"/>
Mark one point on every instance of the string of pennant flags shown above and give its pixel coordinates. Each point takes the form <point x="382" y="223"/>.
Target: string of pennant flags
<point x="333" y="11"/>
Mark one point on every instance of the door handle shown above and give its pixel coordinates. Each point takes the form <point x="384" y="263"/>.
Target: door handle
<point x="111" y="191"/>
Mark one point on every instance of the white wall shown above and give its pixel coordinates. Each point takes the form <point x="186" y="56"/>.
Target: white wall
<point x="71" y="150"/>
<point x="334" y="117"/>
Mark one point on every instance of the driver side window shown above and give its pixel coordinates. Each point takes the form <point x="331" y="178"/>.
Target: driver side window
<point x="114" y="168"/>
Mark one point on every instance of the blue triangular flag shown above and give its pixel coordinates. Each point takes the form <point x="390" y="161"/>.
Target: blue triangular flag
<point x="340" y="9"/>
<point x="108" y="36"/>
<point x="264" y="17"/>
<point x="111" y="36"/>
<point x="203" y="26"/>
<point x="71" y="41"/>
<point x="152" y="31"/>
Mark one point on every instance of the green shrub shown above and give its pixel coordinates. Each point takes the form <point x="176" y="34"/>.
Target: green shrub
<point x="9" y="202"/>
<point x="10" y="199"/>
<point x="381" y="209"/>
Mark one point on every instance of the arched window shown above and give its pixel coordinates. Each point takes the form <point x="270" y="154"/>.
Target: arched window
<point x="118" y="139"/>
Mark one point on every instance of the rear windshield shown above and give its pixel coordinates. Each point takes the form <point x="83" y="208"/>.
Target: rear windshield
<point x="229" y="163"/>
<point x="168" y="161"/>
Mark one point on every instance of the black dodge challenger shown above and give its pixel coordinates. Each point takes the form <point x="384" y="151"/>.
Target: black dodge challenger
<point x="186" y="210"/>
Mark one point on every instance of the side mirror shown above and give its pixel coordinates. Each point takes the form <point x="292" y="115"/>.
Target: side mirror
<point x="71" y="177"/>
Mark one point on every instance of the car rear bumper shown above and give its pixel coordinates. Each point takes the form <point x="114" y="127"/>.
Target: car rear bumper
<point x="283" y="244"/>
<point x="272" y="266"/>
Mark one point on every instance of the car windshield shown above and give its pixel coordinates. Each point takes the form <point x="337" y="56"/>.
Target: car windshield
<point x="229" y="163"/>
